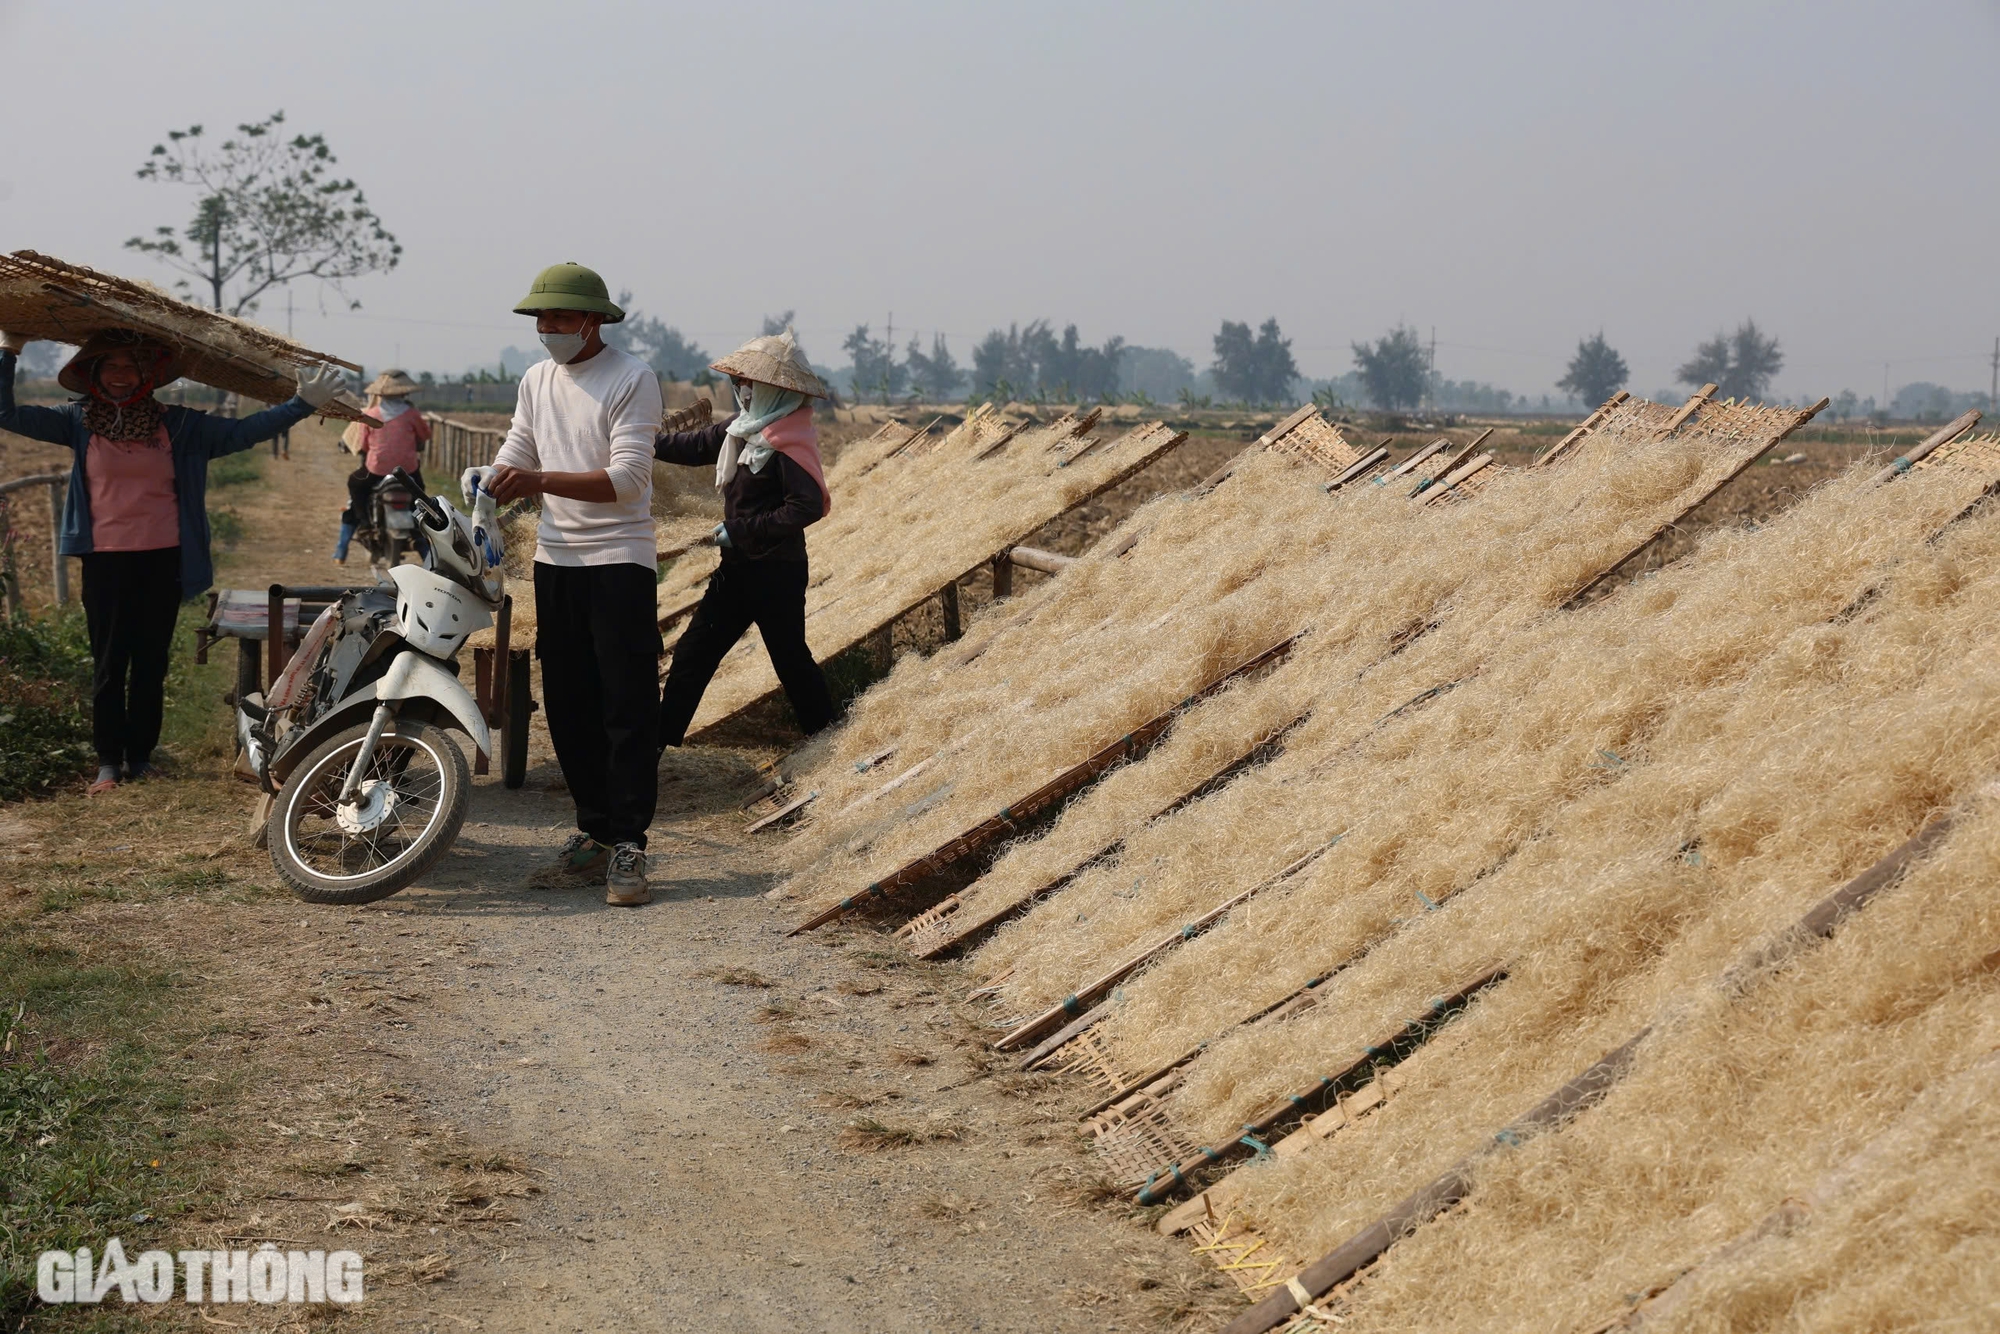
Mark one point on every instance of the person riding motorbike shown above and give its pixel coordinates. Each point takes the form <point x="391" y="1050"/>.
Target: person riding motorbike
<point x="396" y="440"/>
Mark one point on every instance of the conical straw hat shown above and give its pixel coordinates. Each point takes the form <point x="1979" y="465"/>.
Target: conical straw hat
<point x="393" y="384"/>
<point x="774" y="359"/>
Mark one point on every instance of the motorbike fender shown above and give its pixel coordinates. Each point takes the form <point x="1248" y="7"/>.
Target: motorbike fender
<point x="409" y="676"/>
<point x="413" y="676"/>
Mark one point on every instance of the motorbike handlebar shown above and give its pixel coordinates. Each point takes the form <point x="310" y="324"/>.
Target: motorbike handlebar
<point x="432" y="510"/>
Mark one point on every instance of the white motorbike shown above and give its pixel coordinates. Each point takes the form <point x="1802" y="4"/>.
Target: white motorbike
<point x="367" y="789"/>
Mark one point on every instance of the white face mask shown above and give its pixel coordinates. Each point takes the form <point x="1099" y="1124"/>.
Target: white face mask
<point x="563" y="348"/>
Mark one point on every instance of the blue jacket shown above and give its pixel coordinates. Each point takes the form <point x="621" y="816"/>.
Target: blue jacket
<point x="196" y="436"/>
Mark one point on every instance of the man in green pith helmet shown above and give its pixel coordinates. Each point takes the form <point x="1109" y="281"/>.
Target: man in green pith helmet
<point x="582" y="440"/>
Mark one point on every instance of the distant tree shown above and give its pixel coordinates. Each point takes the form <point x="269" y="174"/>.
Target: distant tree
<point x="270" y="210"/>
<point x="1156" y="372"/>
<point x="936" y="376"/>
<point x="1032" y="361"/>
<point x="1395" y="369"/>
<point x="1596" y="372"/>
<point x="1074" y="371"/>
<point x="876" y="370"/>
<point x="1844" y="406"/>
<point x="1739" y="365"/>
<point x="656" y="343"/>
<point x="1254" y="370"/>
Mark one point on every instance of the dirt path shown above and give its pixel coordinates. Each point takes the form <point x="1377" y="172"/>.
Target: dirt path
<point x="727" y="1129"/>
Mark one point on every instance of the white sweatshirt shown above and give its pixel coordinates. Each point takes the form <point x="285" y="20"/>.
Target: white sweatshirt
<point x="600" y="413"/>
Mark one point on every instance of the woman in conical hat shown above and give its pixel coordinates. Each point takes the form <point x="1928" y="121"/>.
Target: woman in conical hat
<point x="136" y="515"/>
<point x="767" y="466"/>
<point x="394" y="439"/>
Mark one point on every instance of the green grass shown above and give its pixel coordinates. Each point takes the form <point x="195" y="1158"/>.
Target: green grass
<point x="237" y="469"/>
<point x="89" y="1119"/>
<point x="226" y="526"/>
<point x="44" y="703"/>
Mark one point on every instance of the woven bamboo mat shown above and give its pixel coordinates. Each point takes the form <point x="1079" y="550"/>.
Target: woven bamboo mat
<point x="68" y="303"/>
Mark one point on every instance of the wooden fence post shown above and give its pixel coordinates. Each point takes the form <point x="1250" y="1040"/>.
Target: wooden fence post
<point x="61" y="571"/>
<point x="948" y="603"/>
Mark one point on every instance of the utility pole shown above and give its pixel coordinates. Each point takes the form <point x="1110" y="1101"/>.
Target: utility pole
<point x="1432" y="366"/>
<point x="1993" y="392"/>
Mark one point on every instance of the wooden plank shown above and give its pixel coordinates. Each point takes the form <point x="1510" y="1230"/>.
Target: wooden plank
<point x="1033" y="558"/>
<point x="1358" y="469"/>
<point x="1412" y="463"/>
<point x="1945" y="435"/>
<point x="1365" y="1246"/>
<point x="789" y="808"/>
<point x="1093" y="990"/>
<point x="1589" y="424"/>
<point x="1895" y="1147"/>
<point x="1010" y="819"/>
<point x="1319" y="1095"/>
<point x="927" y="944"/>
<point x="1749" y="458"/>
<point x="1456" y="476"/>
<point x="1347" y="1259"/>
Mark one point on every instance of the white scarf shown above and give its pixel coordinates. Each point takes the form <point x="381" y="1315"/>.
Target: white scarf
<point x="743" y="439"/>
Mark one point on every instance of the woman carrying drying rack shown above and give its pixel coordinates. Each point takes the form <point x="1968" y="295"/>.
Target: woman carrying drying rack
<point x="136" y="515"/>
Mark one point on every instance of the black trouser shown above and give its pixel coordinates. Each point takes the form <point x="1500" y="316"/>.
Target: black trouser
<point x="597" y="633"/>
<point x="360" y="485"/>
<point x="130" y="599"/>
<point x="771" y="594"/>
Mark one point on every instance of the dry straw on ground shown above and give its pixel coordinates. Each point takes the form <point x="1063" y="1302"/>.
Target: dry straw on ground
<point x="1771" y="747"/>
<point x="1212" y="581"/>
<point x="931" y="515"/>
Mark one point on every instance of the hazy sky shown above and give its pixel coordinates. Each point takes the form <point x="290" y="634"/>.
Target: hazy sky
<point x="1514" y="175"/>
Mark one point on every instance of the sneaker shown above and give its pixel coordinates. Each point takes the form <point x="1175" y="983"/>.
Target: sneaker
<point x="577" y="862"/>
<point x="625" y="886"/>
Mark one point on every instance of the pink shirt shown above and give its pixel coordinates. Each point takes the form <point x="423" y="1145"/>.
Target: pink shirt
<point x="386" y="448"/>
<point x="132" y="497"/>
<point x="797" y="438"/>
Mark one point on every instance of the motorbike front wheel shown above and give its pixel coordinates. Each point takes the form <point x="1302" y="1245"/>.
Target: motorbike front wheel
<point x="404" y="814"/>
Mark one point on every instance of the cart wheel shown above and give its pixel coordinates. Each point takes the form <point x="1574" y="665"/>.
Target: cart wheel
<point x="514" y="729"/>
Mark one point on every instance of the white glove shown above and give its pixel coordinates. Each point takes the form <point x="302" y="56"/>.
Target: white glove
<point x="14" y="342"/>
<point x="318" y="385"/>
<point x="471" y="478"/>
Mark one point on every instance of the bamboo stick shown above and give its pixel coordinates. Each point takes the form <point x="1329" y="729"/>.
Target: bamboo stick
<point x="1606" y="572"/>
<point x="1944" y="436"/>
<point x="1092" y="990"/>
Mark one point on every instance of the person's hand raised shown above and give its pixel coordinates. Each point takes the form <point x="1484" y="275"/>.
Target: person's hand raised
<point x="14" y="342"/>
<point x="318" y="385"/>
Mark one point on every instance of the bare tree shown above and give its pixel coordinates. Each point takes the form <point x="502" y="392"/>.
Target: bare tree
<point x="270" y="211"/>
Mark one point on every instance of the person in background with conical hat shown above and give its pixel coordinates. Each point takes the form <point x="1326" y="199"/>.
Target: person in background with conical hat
<point x="136" y="515"/>
<point x="767" y="466"/>
<point x="396" y="439"/>
<point x="582" y="440"/>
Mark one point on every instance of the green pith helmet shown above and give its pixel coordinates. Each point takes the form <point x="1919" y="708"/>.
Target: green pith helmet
<point x="570" y="287"/>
